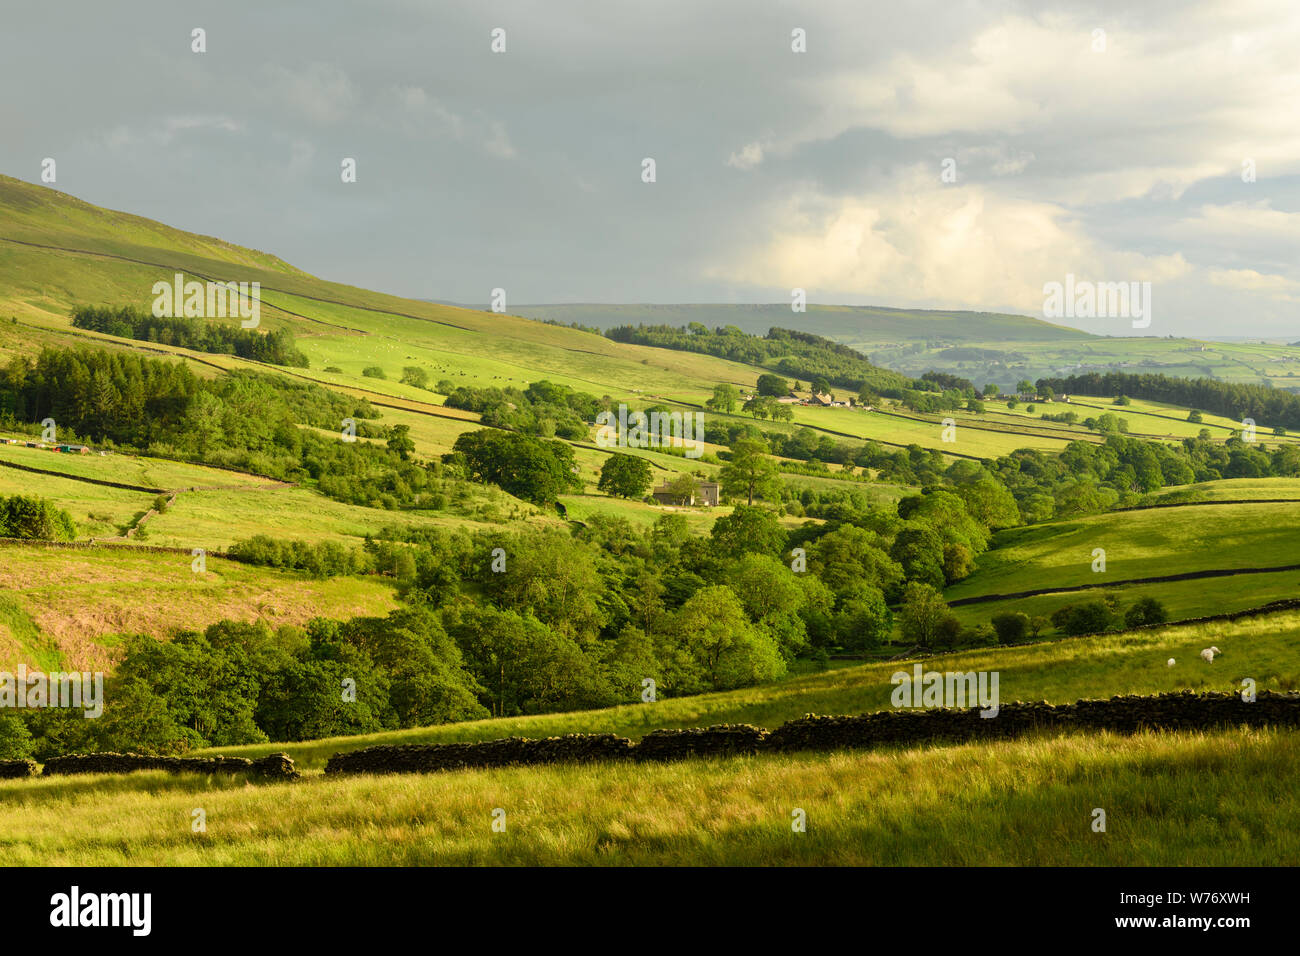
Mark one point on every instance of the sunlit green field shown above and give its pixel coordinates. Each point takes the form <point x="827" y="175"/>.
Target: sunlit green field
<point x="1199" y="597"/>
<point x="1222" y="798"/>
<point x="143" y="471"/>
<point x="904" y="431"/>
<point x="1160" y="419"/>
<point x="1233" y="489"/>
<point x="1137" y="544"/>
<point x="98" y="511"/>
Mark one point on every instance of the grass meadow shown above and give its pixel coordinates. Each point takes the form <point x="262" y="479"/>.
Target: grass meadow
<point x="1218" y="799"/>
<point x="1138" y="544"/>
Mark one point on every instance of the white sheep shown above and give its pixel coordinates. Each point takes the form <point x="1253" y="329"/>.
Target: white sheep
<point x="1171" y="662"/>
<point x="1208" y="654"/>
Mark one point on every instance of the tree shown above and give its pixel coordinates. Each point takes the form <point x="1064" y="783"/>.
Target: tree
<point x="23" y="516"/>
<point x="1092" y="617"/>
<point x="760" y="406"/>
<point x="864" y="622"/>
<point x="681" y="488"/>
<point x="414" y="375"/>
<point x="772" y="385"/>
<point x="1011" y="627"/>
<point x="1147" y="610"/>
<point x="750" y="471"/>
<point x="535" y="470"/>
<point x="990" y="390"/>
<point x="724" y="649"/>
<point x="990" y="503"/>
<point x="850" y="559"/>
<point x="1024" y="387"/>
<point x="748" y="529"/>
<point x="430" y="684"/>
<point x="919" y="550"/>
<point x="724" y="398"/>
<point x="524" y="666"/>
<point x="625" y="476"/>
<point x="399" y="440"/>
<point x="15" y="738"/>
<point x="924" y="615"/>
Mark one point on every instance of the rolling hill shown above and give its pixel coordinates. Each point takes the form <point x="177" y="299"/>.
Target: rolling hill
<point x="844" y="323"/>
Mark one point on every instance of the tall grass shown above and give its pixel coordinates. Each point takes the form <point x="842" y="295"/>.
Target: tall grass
<point x="1224" y="798"/>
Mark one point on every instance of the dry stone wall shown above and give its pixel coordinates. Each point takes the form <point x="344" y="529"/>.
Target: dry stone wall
<point x="1180" y="711"/>
<point x="510" y="751"/>
<point x="16" y="769"/>
<point x="276" y="766"/>
<point x="720" y="740"/>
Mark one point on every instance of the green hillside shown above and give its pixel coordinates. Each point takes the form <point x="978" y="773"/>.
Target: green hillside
<point x="844" y="323"/>
<point x="981" y="346"/>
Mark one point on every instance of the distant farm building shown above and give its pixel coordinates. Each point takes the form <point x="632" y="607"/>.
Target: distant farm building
<point x="706" y="493"/>
<point x="72" y="449"/>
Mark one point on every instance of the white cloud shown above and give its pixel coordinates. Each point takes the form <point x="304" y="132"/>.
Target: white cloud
<point x="321" y="91"/>
<point x="918" y="242"/>
<point x="749" y="156"/>
<point x="1248" y="280"/>
<point x="166" y="131"/>
<point x="417" y="114"/>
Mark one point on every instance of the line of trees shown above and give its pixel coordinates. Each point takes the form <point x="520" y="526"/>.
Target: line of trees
<point x="543" y="409"/>
<point x="29" y="516"/>
<point x="1274" y="407"/>
<point x="274" y="347"/>
<point x="795" y="354"/>
<point x="243" y="419"/>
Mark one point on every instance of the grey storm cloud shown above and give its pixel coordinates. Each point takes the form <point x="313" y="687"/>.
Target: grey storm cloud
<point x="774" y="169"/>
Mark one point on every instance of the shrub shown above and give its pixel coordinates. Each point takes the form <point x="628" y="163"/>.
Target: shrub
<point x="22" y="516"/>
<point x="1011" y="627"/>
<point x="1092" y="617"/>
<point x="1147" y="610"/>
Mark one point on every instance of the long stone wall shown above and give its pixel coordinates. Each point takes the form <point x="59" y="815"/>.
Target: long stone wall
<point x="1180" y="711"/>
<point x="16" y="769"/>
<point x="278" y="766"/>
<point x="510" y="751"/>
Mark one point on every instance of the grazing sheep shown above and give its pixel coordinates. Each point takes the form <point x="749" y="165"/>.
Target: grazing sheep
<point x="1171" y="662"/>
<point x="1208" y="654"/>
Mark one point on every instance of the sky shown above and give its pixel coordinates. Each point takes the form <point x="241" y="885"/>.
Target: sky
<point x="929" y="155"/>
